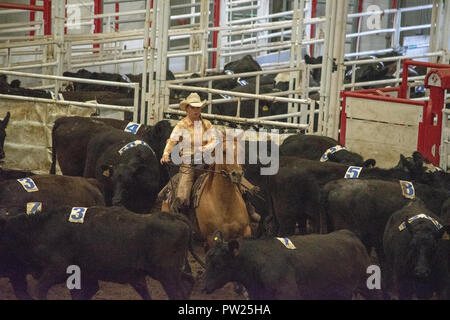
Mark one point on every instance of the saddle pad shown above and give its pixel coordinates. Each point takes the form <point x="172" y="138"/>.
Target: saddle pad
<point x="197" y="189"/>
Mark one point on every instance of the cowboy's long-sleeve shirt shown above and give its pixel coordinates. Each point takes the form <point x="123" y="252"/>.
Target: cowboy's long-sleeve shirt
<point x="186" y="129"/>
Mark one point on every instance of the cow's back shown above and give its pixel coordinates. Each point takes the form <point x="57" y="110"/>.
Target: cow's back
<point x="337" y="262"/>
<point x="53" y="191"/>
<point x="70" y="138"/>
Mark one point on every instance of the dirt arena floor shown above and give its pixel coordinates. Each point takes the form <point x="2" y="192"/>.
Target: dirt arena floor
<point x="114" y="291"/>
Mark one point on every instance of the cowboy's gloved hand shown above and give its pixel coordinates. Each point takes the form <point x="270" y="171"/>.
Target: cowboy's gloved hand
<point x="165" y="158"/>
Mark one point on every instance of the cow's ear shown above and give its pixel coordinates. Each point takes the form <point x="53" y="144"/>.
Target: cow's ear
<point x="307" y="59"/>
<point x="445" y="232"/>
<point x="5" y="121"/>
<point x="369" y="163"/>
<point x="418" y="159"/>
<point x="332" y="157"/>
<point x="107" y="170"/>
<point x="233" y="247"/>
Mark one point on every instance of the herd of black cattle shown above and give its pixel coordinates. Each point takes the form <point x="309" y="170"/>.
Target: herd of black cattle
<point x="117" y="239"/>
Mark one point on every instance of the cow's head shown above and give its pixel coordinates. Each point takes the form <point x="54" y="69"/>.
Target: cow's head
<point x="3" y="125"/>
<point x="317" y="72"/>
<point x="422" y="246"/>
<point x="220" y="263"/>
<point x="157" y="136"/>
<point x="138" y="174"/>
<point x="350" y="158"/>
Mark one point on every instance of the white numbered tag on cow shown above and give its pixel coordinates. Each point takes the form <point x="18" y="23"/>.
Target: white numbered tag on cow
<point x="28" y="184"/>
<point x="242" y="82"/>
<point x="287" y="243"/>
<point x="407" y="189"/>
<point x="353" y="172"/>
<point x="132" y="127"/>
<point x="77" y="214"/>
<point x="34" y="207"/>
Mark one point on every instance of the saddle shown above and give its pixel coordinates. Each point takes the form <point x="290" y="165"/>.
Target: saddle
<point x="169" y="191"/>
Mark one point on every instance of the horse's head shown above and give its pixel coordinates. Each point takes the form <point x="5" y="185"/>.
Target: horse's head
<point x="232" y="155"/>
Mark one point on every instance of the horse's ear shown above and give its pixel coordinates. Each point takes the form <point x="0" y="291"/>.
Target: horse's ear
<point x="218" y="238"/>
<point x="233" y="247"/>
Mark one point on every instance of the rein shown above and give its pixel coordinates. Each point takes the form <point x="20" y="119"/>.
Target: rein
<point x="223" y="172"/>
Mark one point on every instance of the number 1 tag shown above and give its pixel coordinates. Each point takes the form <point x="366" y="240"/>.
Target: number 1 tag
<point x="353" y="173"/>
<point x="407" y="189"/>
<point x="132" y="127"/>
<point x="28" y="184"/>
<point x="77" y="214"/>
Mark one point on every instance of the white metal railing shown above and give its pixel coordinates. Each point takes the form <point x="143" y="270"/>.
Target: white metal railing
<point x="134" y="86"/>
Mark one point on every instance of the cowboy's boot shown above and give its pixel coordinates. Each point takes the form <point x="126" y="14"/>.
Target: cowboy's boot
<point x="255" y="217"/>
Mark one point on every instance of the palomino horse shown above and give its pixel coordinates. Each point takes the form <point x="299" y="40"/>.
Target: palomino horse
<point x="221" y="206"/>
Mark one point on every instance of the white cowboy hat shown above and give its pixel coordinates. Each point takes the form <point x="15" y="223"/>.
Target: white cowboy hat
<point x="192" y="100"/>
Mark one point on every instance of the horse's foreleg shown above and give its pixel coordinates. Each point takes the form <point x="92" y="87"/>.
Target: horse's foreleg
<point x="247" y="232"/>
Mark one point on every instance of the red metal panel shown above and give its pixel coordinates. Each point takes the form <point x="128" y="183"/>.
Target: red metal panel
<point x="408" y="62"/>
<point x="430" y="129"/>
<point x="117" y="17"/>
<point x="32" y="16"/>
<point x="47" y="17"/>
<point x="98" y="22"/>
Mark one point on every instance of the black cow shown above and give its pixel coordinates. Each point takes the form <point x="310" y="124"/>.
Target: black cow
<point x="85" y="74"/>
<point x="71" y="135"/>
<point x="245" y="64"/>
<point x="294" y="190"/>
<point x="247" y="107"/>
<point x="3" y="125"/>
<point x="313" y="147"/>
<point x="53" y="192"/>
<point x="8" y="174"/>
<point x="331" y="266"/>
<point x="364" y="207"/>
<point x="416" y="254"/>
<point x="14" y="89"/>
<point x="112" y="244"/>
<point x="156" y="136"/>
<point x="129" y="171"/>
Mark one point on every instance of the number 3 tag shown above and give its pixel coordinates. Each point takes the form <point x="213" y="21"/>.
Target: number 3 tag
<point x="28" y="184"/>
<point x="407" y="189"/>
<point x="353" y="173"/>
<point x="77" y="214"/>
